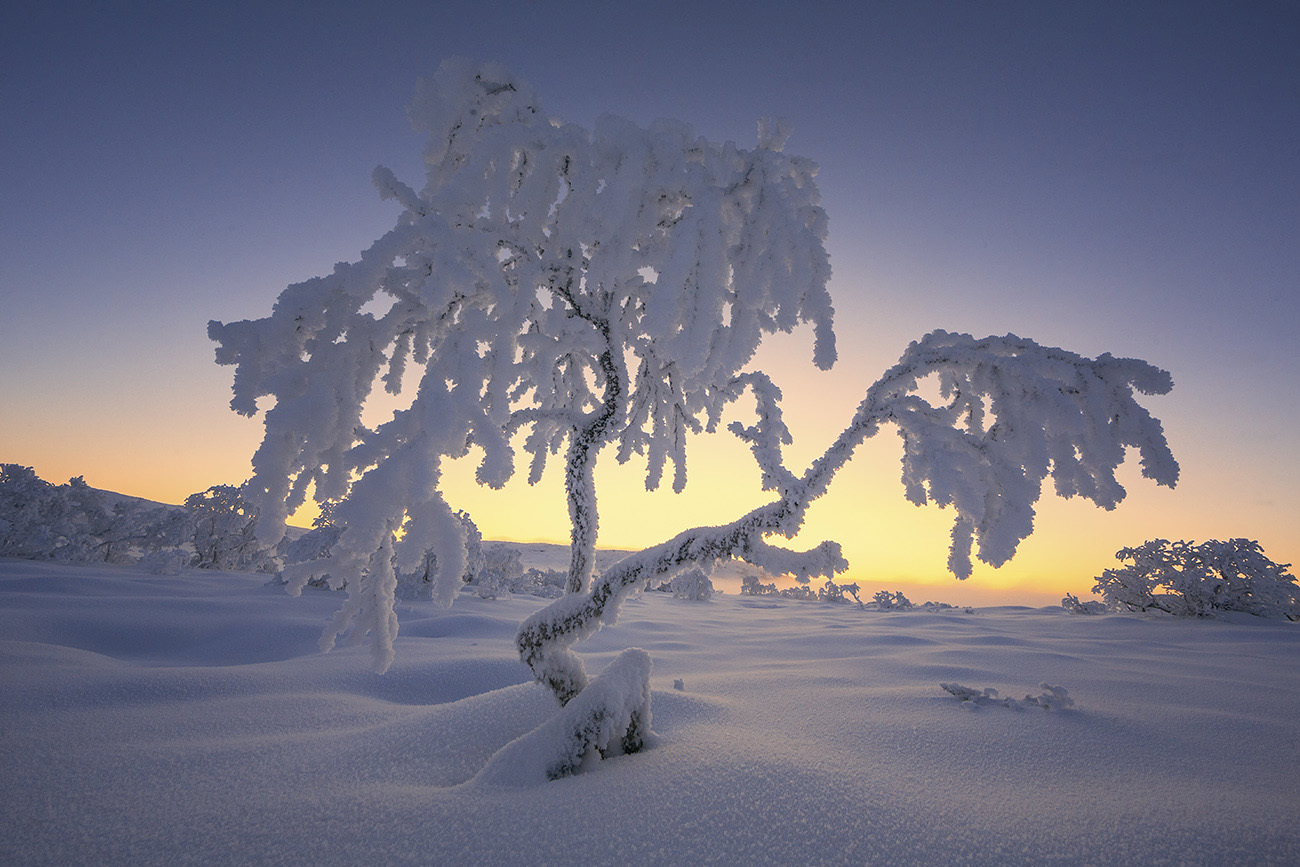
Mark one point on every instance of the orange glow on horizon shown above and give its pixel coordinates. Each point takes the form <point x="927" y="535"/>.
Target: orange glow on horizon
<point x="888" y="542"/>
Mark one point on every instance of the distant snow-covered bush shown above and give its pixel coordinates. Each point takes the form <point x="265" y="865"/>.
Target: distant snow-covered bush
<point x="752" y="585"/>
<point x="1191" y="580"/>
<point x="1072" y="604"/>
<point x="832" y="592"/>
<point x="31" y="510"/>
<point x="504" y="562"/>
<point x="225" y="532"/>
<point x="77" y="523"/>
<point x="421" y="581"/>
<point x="499" y="570"/>
<point x="887" y="601"/>
<point x="692" y="584"/>
<point x="883" y="600"/>
<point x="1051" y="697"/>
<point x="504" y="572"/>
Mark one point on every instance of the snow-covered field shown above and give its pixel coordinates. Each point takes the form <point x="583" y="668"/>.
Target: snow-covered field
<point x="191" y="719"/>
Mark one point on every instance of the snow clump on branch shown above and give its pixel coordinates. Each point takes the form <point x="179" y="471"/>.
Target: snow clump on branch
<point x="590" y="287"/>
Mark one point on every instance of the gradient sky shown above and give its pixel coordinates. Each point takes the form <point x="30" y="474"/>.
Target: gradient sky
<point x="1114" y="177"/>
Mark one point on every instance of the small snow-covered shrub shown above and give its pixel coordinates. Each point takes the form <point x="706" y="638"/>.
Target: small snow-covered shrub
<point x="1051" y="697"/>
<point x="692" y="584"/>
<point x="41" y="521"/>
<point x="503" y="562"/>
<point x="1072" y="604"/>
<point x="548" y="583"/>
<point x="887" y="601"/>
<point x="832" y="592"/>
<point x="751" y="585"/>
<point x="500" y="571"/>
<point x="420" y="582"/>
<point x="1190" y="580"/>
<point x="884" y="600"/>
<point x="225" y="531"/>
<point x="505" y="574"/>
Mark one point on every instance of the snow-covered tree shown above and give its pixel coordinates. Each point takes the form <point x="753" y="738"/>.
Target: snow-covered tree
<point x="607" y="287"/>
<point x="588" y="288"/>
<point x="832" y="592"/>
<point x="1012" y="413"/>
<point x="315" y="544"/>
<point x="30" y="511"/>
<point x="132" y="528"/>
<point x="419" y="582"/>
<point x="887" y="601"/>
<point x="225" y="531"/>
<point x="692" y="584"/>
<point x="77" y="523"/>
<point x="1071" y="603"/>
<point x="1188" y="579"/>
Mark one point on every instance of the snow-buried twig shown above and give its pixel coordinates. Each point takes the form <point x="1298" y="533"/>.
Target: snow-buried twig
<point x="1051" y="697"/>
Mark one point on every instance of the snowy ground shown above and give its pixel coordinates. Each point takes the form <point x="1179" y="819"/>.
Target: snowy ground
<point x="191" y="719"/>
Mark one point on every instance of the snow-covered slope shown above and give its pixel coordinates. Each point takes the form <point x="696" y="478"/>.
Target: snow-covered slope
<point x="191" y="720"/>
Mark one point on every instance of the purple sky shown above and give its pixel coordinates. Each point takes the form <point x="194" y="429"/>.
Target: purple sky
<point x="1121" y="177"/>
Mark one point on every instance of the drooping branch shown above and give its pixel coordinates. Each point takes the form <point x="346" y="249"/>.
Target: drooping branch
<point x="537" y="261"/>
<point x="1054" y="412"/>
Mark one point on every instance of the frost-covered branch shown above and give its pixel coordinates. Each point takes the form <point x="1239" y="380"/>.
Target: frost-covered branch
<point x="1016" y="412"/>
<point x="539" y="266"/>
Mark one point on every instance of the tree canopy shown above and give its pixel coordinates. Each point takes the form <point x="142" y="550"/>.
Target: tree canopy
<point x="580" y="287"/>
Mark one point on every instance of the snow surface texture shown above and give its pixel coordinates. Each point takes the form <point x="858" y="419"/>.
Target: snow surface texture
<point x="191" y="719"/>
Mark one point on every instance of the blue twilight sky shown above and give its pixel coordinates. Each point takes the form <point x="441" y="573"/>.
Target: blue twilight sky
<point x="1114" y="177"/>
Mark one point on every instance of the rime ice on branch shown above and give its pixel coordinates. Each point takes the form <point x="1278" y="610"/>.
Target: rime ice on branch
<point x="1014" y="412"/>
<point x="1196" y="580"/>
<point x="586" y="287"/>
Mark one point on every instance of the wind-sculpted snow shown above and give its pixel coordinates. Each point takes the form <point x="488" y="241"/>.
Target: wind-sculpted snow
<point x="611" y="717"/>
<point x="804" y="733"/>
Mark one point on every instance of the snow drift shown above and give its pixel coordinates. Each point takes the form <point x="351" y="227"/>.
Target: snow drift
<point x="192" y="720"/>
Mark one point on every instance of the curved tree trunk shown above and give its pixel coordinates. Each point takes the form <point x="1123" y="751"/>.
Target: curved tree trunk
<point x="580" y="468"/>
